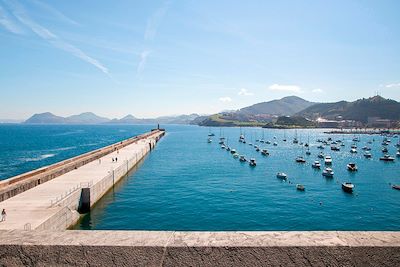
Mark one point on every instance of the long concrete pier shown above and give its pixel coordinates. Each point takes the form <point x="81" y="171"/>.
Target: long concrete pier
<point x="51" y="197"/>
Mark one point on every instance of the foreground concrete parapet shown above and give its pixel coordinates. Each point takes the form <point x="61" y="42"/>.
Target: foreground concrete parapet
<point x="151" y="248"/>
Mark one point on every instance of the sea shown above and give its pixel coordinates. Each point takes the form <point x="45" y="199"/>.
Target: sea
<point x="187" y="183"/>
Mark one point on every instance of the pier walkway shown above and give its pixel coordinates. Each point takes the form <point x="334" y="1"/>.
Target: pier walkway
<point x="55" y="203"/>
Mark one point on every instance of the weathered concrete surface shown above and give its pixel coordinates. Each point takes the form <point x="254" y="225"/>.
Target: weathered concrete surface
<point x="54" y="204"/>
<point x="144" y="248"/>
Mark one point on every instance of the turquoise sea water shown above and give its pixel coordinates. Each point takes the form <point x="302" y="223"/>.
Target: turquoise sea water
<point x="188" y="184"/>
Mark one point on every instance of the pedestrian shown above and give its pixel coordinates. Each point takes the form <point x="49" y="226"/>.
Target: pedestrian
<point x="116" y="159"/>
<point x="3" y="215"/>
<point x="99" y="161"/>
<point x="112" y="159"/>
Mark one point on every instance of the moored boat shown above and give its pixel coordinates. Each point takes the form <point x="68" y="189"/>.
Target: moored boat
<point x="300" y="187"/>
<point x="316" y="164"/>
<point x="265" y="152"/>
<point x="242" y="158"/>
<point x="300" y="159"/>
<point x="347" y="187"/>
<point x="397" y="187"/>
<point x="252" y="162"/>
<point x="352" y="167"/>
<point x="386" y="157"/>
<point x="368" y="154"/>
<point x="281" y="175"/>
<point x="328" y="160"/>
<point x="328" y="172"/>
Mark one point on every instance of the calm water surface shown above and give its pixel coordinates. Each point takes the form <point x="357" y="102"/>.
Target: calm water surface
<point x="188" y="184"/>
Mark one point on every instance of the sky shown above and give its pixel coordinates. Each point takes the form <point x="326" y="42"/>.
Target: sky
<point x="152" y="58"/>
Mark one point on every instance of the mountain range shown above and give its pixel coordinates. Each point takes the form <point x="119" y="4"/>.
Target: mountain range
<point x="91" y="118"/>
<point x="255" y="115"/>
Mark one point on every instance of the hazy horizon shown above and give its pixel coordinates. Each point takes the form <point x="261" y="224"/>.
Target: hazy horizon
<point x="159" y="58"/>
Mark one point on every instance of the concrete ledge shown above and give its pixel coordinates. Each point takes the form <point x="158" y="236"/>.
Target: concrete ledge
<point x="144" y="248"/>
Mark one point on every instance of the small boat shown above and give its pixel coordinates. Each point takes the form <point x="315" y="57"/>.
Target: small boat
<point x="353" y="150"/>
<point x="233" y="151"/>
<point x="308" y="152"/>
<point x="300" y="159"/>
<point x="275" y="144"/>
<point x="328" y="172"/>
<point x="262" y="141"/>
<point x="228" y="148"/>
<point x="385" y="150"/>
<point x="211" y="134"/>
<point x="252" y="162"/>
<point x="223" y="146"/>
<point x="209" y="140"/>
<point x="386" y="158"/>
<point x="320" y="147"/>
<point x="295" y="141"/>
<point x="347" y="187"/>
<point x="250" y="144"/>
<point x="364" y="148"/>
<point x="236" y="155"/>
<point x="398" y="154"/>
<point x="352" y="167"/>
<point x="321" y="155"/>
<point x="258" y="149"/>
<point x="265" y="152"/>
<point x="354" y="146"/>
<point x="368" y="154"/>
<point x="335" y="148"/>
<point x="328" y="160"/>
<point x="281" y="175"/>
<point x="268" y="142"/>
<point x="306" y="145"/>
<point x="300" y="187"/>
<point x="397" y="187"/>
<point x="316" y="165"/>
<point x="242" y="158"/>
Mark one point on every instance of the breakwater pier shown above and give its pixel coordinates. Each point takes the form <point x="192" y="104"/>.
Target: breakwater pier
<point x="53" y="197"/>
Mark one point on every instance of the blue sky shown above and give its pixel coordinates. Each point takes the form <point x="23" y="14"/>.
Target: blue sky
<point x="150" y="58"/>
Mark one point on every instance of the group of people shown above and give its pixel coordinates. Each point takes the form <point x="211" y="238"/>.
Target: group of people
<point x="115" y="159"/>
<point x="3" y="215"/>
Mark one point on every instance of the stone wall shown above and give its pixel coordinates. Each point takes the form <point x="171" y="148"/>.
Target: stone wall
<point x="141" y="248"/>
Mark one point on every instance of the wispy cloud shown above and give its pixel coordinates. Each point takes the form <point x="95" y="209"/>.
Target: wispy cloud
<point x="392" y="85"/>
<point x="7" y="22"/>
<point x="142" y="62"/>
<point x="244" y="92"/>
<point x="225" y="99"/>
<point x="22" y="16"/>
<point x="285" y="88"/>
<point x="155" y="20"/>
<point x="317" y="91"/>
<point x="54" y="12"/>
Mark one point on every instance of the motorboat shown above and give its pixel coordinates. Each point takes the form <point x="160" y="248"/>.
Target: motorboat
<point x="209" y="140"/>
<point x="250" y="144"/>
<point x="306" y="145"/>
<point x="236" y="155"/>
<point x="397" y="187"/>
<point x="308" y="153"/>
<point x="328" y="172"/>
<point x="223" y="146"/>
<point x="228" y="148"/>
<point x="242" y="158"/>
<point x="258" y="149"/>
<point x="320" y="147"/>
<point x="347" y="187"/>
<point x="268" y="142"/>
<point x="353" y="146"/>
<point x="300" y="187"/>
<point x="281" y="175"/>
<point x="353" y="150"/>
<point x="233" y="151"/>
<point x="398" y="154"/>
<point x="386" y="157"/>
<point x="335" y="148"/>
<point x="328" y="160"/>
<point x="265" y="152"/>
<point x="241" y="138"/>
<point x="368" y="154"/>
<point x="252" y="162"/>
<point x="295" y="141"/>
<point x="275" y="144"/>
<point x="316" y="165"/>
<point x="321" y="155"/>
<point x="352" y="167"/>
<point x="385" y="150"/>
<point x="300" y="159"/>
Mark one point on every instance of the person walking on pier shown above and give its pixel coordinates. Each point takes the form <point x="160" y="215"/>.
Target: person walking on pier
<point x="3" y="215"/>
